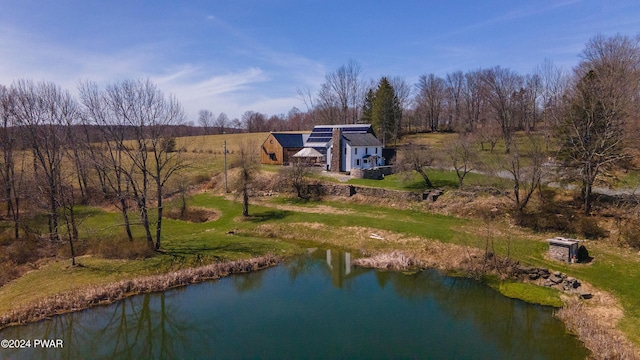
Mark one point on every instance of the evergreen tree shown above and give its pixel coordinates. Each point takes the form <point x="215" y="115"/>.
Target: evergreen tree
<point x="385" y="111"/>
<point x="367" y="108"/>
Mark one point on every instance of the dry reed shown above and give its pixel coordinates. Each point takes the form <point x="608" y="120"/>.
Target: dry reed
<point x="604" y="340"/>
<point x="98" y="295"/>
<point x="390" y="261"/>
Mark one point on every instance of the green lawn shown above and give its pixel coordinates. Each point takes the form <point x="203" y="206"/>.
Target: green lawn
<point x="190" y="244"/>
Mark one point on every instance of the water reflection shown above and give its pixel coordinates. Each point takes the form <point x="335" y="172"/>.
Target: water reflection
<point x="316" y="306"/>
<point x="147" y="326"/>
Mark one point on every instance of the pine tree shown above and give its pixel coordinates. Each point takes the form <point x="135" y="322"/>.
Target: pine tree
<point x="367" y="108"/>
<point x="385" y="111"/>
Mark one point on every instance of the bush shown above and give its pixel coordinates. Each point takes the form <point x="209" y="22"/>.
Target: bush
<point x="24" y="250"/>
<point x="589" y="227"/>
<point x="193" y="214"/>
<point x="9" y="270"/>
<point x="631" y="233"/>
<point x="201" y="179"/>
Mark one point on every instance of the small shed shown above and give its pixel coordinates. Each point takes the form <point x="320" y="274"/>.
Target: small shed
<point x="563" y="249"/>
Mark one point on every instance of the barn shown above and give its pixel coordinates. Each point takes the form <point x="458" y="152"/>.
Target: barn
<point x="279" y="148"/>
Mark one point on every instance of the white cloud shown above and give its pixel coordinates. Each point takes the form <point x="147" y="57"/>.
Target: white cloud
<point x="218" y="93"/>
<point x="266" y="84"/>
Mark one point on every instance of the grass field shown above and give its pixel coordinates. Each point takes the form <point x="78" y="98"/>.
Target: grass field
<point x="284" y="226"/>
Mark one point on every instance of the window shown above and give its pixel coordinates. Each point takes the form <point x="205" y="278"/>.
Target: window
<point x="366" y="150"/>
<point x="345" y="151"/>
<point x="356" y="151"/>
<point x="376" y="150"/>
<point x="357" y="162"/>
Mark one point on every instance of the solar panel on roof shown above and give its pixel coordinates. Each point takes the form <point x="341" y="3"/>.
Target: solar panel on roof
<point x="319" y="139"/>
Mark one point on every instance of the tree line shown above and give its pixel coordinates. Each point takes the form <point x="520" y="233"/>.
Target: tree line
<point x="115" y="143"/>
<point x="120" y="138"/>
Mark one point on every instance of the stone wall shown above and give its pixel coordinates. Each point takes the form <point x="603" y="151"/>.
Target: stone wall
<point x="559" y="252"/>
<point x="350" y="190"/>
<point x="377" y="173"/>
<point x="563" y="249"/>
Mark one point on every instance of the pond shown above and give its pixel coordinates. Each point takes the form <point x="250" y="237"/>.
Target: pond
<point x="315" y="306"/>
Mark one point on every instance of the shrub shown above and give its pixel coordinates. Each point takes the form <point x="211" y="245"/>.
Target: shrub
<point x="588" y="226"/>
<point x="192" y="214"/>
<point x="24" y="250"/>
<point x="631" y="233"/>
<point x="201" y="178"/>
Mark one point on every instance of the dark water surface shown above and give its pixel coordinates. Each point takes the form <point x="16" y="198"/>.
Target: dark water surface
<point x="316" y="306"/>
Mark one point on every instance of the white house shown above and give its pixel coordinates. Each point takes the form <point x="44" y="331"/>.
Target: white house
<point x="347" y="147"/>
<point x="358" y="151"/>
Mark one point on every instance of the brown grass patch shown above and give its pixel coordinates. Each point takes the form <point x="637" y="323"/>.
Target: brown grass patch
<point x="22" y="255"/>
<point x="193" y="214"/>
<point x="98" y="295"/>
<point x="121" y="248"/>
<point x="594" y="322"/>
<point x="474" y="204"/>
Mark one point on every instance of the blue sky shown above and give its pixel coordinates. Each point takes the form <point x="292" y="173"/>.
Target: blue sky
<point x="237" y="55"/>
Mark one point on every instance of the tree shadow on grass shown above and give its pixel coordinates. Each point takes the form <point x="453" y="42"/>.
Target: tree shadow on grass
<point x="217" y="250"/>
<point x="268" y="215"/>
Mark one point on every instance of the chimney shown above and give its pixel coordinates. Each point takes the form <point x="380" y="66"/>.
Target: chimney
<point x="336" y="152"/>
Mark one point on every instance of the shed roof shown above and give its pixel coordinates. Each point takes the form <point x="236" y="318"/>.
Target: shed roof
<point x="366" y="139"/>
<point x="308" y="152"/>
<point x="562" y="241"/>
<point x="288" y="140"/>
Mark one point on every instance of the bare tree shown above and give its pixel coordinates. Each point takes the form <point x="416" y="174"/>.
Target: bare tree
<point x="108" y="157"/>
<point x="404" y="95"/>
<point x="430" y="99"/>
<point x="341" y="94"/>
<point x="416" y="158"/>
<point x="553" y="86"/>
<point x="206" y="119"/>
<point x="254" y="121"/>
<point x="462" y="156"/>
<point x="502" y="84"/>
<point x="247" y="163"/>
<point x="474" y="100"/>
<point x="151" y="116"/>
<point x="221" y="123"/>
<point x="11" y="176"/>
<point x="45" y="112"/>
<point x="526" y="167"/>
<point x="296" y="176"/>
<point x="600" y="112"/>
<point x="454" y="95"/>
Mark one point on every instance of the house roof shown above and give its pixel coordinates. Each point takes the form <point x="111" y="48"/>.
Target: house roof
<point x="366" y="139"/>
<point x="288" y="140"/>
<point x="322" y="134"/>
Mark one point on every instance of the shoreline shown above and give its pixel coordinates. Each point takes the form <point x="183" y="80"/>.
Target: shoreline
<point x="85" y="298"/>
<point x="592" y="321"/>
<point x="583" y="318"/>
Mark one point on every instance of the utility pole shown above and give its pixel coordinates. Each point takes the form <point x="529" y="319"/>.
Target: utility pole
<point x="226" y="190"/>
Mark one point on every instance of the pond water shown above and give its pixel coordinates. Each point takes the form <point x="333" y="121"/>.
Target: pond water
<point x="315" y="306"/>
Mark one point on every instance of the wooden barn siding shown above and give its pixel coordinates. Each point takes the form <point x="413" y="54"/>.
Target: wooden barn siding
<point x="268" y="147"/>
